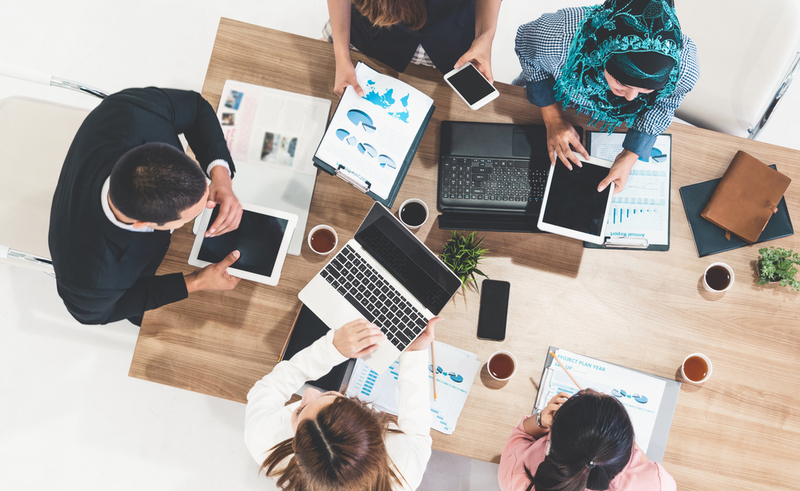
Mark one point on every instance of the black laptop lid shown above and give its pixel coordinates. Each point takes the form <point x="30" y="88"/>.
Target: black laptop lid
<point x="493" y="140"/>
<point x="407" y="259"/>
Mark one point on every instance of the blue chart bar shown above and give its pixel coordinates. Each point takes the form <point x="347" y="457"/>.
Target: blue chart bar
<point x="372" y="376"/>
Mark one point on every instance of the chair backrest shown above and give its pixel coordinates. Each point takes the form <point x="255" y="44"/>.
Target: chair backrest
<point x="35" y="136"/>
<point x="745" y="49"/>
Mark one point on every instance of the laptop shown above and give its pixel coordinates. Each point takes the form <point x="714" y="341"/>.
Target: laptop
<point x="492" y="176"/>
<point x="386" y="275"/>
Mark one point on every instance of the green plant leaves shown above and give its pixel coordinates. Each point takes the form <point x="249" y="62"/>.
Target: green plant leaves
<point x="461" y="254"/>
<point x="778" y="264"/>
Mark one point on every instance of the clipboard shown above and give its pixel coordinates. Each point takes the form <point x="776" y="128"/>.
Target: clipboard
<point x="364" y="183"/>
<point x="666" y="409"/>
<point x="649" y="201"/>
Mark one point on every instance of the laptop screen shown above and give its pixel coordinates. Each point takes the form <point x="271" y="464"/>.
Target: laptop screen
<point x="407" y="259"/>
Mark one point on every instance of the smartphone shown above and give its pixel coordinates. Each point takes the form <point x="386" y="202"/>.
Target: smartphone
<point x="471" y="86"/>
<point x="494" y="310"/>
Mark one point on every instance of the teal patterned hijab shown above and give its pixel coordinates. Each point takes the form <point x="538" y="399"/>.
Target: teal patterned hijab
<point x="640" y="40"/>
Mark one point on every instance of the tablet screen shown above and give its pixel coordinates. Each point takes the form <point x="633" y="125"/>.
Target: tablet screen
<point x="258" y="238"/>
<point x="574" y="202"/>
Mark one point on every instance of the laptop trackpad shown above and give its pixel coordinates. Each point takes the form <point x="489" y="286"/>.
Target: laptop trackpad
<point x="340" y="314"/>
<point x="521" y="146"/>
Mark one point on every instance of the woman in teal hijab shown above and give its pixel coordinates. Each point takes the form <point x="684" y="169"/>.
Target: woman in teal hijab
<point x="624" y="62"/>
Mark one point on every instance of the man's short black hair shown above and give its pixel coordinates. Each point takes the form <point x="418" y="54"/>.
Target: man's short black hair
<point x="156" y="182"/>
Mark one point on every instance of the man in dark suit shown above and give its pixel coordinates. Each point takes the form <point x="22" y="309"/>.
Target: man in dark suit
<point x="125" y="185"/>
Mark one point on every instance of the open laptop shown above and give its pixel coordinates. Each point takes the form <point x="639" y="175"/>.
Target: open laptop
<point x="386" y="275"/>
<point x="492" y="176"/>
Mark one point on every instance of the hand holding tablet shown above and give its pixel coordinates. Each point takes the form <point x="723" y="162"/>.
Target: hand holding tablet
<point x="262" y="238"/>
<point x="572" y="206"/>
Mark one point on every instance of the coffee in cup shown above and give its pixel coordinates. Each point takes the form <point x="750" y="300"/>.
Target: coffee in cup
<point x="502" y="365"/>
<point x="322" y="239"/>
<point x="718" y="278"/>
<point x="696" y="368"/>
<point x="413" y="213"/>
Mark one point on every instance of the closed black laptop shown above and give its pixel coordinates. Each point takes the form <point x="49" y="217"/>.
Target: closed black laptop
<point x="491" y="176"/>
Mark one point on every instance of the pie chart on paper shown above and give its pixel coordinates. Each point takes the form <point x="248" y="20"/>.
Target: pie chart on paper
<point x="386" y="161"/>
<point x="357" y="116"/>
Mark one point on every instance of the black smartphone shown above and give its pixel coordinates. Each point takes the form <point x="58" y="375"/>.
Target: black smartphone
<point x="494" y="310"/>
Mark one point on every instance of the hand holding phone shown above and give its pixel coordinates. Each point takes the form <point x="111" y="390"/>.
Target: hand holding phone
<point x="471" y="86"/>
<point x="494" y="310"/>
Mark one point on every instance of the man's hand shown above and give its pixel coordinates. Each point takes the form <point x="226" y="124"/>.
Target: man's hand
<point x="619" y="172"/>
<point x="230" y="210"/>
<point x="560" y="134"/>
<point x="480" y="54"/>
<point x="426" y="338"/>
<point x="213" y="276"/>
<point x="357" y="338"/>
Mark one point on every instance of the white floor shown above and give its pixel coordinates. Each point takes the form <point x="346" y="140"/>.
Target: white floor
<point x="70" y="417"/>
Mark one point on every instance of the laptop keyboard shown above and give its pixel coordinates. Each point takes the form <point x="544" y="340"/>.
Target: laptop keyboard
<point x="377" y="300"/>
<point x="497" y="181"/>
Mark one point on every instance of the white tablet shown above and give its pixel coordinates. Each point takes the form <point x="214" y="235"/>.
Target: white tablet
<point x="572" y="206"/>
<point x="262" y="239"/>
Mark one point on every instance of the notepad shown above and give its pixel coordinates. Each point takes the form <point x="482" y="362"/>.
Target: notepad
<point x="640" y="212"/>
<point x="455" y="372"/>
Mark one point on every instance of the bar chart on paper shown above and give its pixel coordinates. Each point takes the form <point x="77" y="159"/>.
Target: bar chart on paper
<point x="641" y="210"/>
<point x="455" y="373"/>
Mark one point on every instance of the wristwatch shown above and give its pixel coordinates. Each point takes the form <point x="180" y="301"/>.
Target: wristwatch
<point x="539" y="420"/>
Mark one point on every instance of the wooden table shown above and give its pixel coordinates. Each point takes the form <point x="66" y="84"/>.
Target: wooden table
<point x="644" y="310"/>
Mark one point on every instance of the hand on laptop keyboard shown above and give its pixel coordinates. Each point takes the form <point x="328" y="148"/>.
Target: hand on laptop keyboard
<point x="358" y="338"/>
<point x="426" y="338"/>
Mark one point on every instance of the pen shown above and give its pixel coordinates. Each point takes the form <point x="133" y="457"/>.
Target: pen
<point x="433" y="364"/>
<point x="565" y="369"/>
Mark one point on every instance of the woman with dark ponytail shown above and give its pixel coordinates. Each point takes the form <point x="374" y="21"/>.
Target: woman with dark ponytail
<point x="578" y="443"/>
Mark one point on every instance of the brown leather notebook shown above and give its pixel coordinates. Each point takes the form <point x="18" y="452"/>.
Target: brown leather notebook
<point x="746" y="197"/>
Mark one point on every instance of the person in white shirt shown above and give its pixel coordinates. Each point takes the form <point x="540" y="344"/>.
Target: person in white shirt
<point x="328" y="441"/>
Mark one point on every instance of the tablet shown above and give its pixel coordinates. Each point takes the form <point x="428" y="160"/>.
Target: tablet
<point x="262" y="239"/>
<point x="572" y="206"/>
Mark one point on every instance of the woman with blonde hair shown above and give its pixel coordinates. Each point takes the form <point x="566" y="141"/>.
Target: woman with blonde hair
<point x="330" y="442"/>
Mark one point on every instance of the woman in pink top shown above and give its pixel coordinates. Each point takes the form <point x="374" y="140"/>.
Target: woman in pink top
<point x="577" y="443"/>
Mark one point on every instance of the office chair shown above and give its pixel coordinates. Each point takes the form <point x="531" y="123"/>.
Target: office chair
<point x="749" y="53"/>
<point x="35" y="136"/>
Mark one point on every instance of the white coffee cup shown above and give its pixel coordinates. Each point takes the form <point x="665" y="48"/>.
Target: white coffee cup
<point x="730" y="273"/>
<point x="708" y="363"/>
<point x="403" y="206"/>
<point x="323" y="227"/>
<point x="499" y="376"/>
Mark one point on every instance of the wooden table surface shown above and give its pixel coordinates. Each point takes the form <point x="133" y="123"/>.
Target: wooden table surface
<point x="644" y="310"/>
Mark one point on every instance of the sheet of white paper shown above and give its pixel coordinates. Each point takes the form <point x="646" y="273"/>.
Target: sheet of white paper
<point x="272" y="135"/>
<point x="641" y="210"/>
<point x="370" y="136"/>
<point x="456" y="371"/>
<point x="638" y="392"/>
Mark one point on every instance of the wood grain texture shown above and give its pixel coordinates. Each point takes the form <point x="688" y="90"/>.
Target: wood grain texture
<point x="644" y="310"/>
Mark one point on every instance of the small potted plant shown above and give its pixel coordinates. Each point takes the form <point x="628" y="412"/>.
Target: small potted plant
<point x="462" y="253"/>
<point x="778" y="264"/>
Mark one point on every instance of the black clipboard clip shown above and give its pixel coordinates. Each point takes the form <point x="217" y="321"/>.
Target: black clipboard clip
<point x="352" y="179"/>
<point x="626" y="243"/>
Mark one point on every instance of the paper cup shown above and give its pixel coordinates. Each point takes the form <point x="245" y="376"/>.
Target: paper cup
<point x="705" y="277"/>
<point x="403" y="219"/>
<point x="315" y="246"/>
<point x="498" y="365"/>
<point x="702" y="357"/>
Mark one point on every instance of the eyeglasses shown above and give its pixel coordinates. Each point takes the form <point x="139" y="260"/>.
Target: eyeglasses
<point x="453" y="375"/>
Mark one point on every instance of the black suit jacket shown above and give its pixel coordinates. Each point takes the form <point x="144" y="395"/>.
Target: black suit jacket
<point x="105" y="273"/>
<point x="447" y="34"/>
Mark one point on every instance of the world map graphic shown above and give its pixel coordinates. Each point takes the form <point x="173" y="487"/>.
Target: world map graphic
<point x="386" y="100"/>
